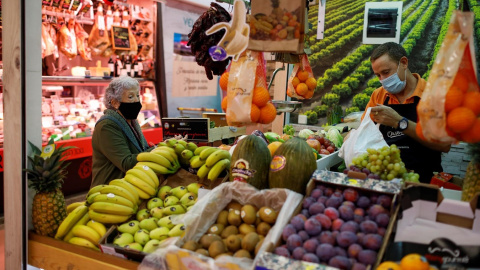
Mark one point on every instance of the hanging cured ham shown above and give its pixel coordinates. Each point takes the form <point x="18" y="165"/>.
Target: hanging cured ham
<point x="98" y="40"/>
<point x="48" y="47"/>
<point x="82" y="43"/>
<point x="67" y="42"/>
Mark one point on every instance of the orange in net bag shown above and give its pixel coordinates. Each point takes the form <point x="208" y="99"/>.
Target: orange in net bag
<point x="248" y="100"/>
<point x="302" y="84"/>
<point x="449" y="110"/>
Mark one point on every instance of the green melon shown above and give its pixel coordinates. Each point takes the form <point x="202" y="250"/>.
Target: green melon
<point x="292" y="166"/>
<point x="250" y="162"/>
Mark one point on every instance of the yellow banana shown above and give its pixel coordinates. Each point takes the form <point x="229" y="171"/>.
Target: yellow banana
<point x="200" y="149"/>
<point x="127" y="186"/>
<point x="140" y="184"/>
<point x="203" y="171"/>
<point x="191" y="146"/>
<point x="166" y="148"/>
<point x="112" y="198"/>
<point x="179" y="148"/>
<point x="218" y="168"/>
<point x="171" y="142"/>
<point x="92" y="197"/>
<point x="157" y="168"/>
<point x="166" y="154"/>
<point x="161" y="144"/>
<point x="74" y="205"/>
<point x="156" y="158"/>
<point x="83" y="242"/>
<point x="120" y="191"/>
<point x="150" y="173"/>
<point x="195" y="162"/>
<point x="217" y="156"/>
<point x="142" y="194"/>
<point x="71" y="220"/>
<point x="111" y="208"/>
<point x="86" y="232"/>
<point x="82" y="221"/>
<point x="182" y="142"/>
<point x="140" y="174"/>
<point x="98" y="227"/>
<point x="95" y="189"/>
<point x="107" y="218"/>
<point x="207" y="152"/>
<point x="186" y="154"/>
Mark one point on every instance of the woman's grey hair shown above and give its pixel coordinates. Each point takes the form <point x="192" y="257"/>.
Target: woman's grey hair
<point x="116" y="88"/>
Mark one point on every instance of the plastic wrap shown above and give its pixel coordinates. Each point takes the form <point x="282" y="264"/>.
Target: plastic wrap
<point x="204" y="214"/>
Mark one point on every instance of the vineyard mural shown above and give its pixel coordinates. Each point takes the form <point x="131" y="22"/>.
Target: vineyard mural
<point x="340" y="61"/>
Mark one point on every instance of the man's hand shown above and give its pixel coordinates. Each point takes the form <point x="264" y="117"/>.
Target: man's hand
<point x="385" y="115"/>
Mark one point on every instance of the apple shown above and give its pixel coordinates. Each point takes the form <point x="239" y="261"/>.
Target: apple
<point x="331" y="149"/>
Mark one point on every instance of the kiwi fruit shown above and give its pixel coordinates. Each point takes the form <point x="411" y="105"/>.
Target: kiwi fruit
<point x="191" y="245"/>
<point x="240" y="236"/>
<point x="234" y="205"/>
<point x="222" y="218"/>
<point x="257" y="247"/>
<point x="245" y="228"/>
<point x="233" y="243"/>
<point x="202" y="251"/>
<point x="263" y="228"/>
<point x="234" y="218"/>
<point x="268" y="215"/>
<point x="207" y="239"/>
<point x="229" y="231"/>
<point x="216" y="248"/>
<point x="216" y="229"/>
<point x="242" y="253"/>
<point x="248" y="214"/>
<point x="250" y="241"/>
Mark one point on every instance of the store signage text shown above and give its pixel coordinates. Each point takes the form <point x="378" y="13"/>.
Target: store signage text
<point x="189" y="80"/>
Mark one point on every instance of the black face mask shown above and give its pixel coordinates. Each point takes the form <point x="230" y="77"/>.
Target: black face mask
<point x="130" y="110"/>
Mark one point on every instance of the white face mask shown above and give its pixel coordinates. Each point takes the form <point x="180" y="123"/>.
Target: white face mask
<point x="393" y="84"/>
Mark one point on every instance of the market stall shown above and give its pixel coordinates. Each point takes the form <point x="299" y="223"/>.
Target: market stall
<point x="246" y="192"/>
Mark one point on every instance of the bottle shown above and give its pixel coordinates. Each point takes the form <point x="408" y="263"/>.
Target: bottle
<point x="140" y="66"/>
<point x="128" y="65"/>
<point x="119" y="66"/>
<point x="135" y="67"/>
<point x="111" y="66"/>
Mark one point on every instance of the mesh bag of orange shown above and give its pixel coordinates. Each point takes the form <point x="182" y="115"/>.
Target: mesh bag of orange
<point x="248" y="100"/>
<point x="449" y="110"/>
<point x="301" y="84"/>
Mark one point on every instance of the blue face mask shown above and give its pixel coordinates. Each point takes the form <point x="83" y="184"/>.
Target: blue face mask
<point x="393" y="84"/>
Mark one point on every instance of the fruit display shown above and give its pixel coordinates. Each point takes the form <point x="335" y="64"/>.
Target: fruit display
<point x="153" y="224"/>
<point x="46" y="177"/>
<point x="471" y="183"/>
<point x="278" y="25"/>
<point x="321" y="144"/>
<point x="384" y="163"/>
<point x="303" y="84"/>
<point x="292" y="166"/>
<point x="250" y="162"/>
<point x="411" y="261"/>
<point x="238" y="231"/>
<point x="340" y="227"/>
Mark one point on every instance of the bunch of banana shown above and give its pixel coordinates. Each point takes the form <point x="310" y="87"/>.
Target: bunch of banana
<point x="162" y="160"/>
<point x="144" y="179"/>
<point x="210" y="162"/>
<point x="87" y="235"/>
<point x="113" y="203"/>
<point x="184" y="150"/>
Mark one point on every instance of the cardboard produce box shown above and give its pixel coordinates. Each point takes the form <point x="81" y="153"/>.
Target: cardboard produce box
<point x="445" y="231"/>
<point x="204" y="214"/>
<point x="337" y="181"/>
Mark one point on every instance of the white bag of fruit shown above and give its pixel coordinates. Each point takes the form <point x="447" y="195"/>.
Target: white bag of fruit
<point x="202" y="218"/>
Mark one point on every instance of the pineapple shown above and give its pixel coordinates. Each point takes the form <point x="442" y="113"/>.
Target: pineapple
<point x="46" y="177"/>
<point x="471" y="183"/>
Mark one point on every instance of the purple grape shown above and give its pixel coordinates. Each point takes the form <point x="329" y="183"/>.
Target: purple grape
<point x="366" y="171"/>
<point x="346" y="171"/>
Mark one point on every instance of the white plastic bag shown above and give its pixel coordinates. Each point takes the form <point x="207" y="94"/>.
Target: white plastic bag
<point x="366" y="136"/>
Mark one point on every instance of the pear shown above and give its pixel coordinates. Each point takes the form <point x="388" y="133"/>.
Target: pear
<point x="188" y="199"/>
<point x="135" y="246"/>
<point x="166" y="222"/>
<point x="142" y="237"/>
<point x="151" y="246"/>
<point x="154" y="202"/>
<point x="170" y="200"/>
<point x="129" y="227"/>
<point x="157" y="212"/>
<point x="178" y="230"/>
<point x="174" y="210"/>
<point x="178" y="191"/>
<point x="189" y="208"/>
<point x="159" y="234"/>
<point x="193" y="188"/>
<point x="149" y="224"/>
<point x="143" y="214"/>
<point x="123" y="239"/>
<point x="163" y="192"/>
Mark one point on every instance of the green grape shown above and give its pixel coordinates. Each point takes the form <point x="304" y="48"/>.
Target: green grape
<point x="370" y="150"/>
<point x="364" y="163"/>
<point x="386" y="152"/>
<point x="416" y="176"/>
<point x="387" y="158"/>
<point x="383" y="176"/>
<point x="393" y="146"/>
<point x="390" y="166"/>
<point x="397" y="167"/>
<point x="373" y="169"/>
<point x="381" y="157"/>
<point x="385" y="162"/>
<point x="390" y="176"/>
<point x="378" y="162"/>
<point x="402" y="170"/>
<point x="368" y="166"/>
<point x="373" y="157"/>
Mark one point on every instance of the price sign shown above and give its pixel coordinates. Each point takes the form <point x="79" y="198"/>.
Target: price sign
<point x="196" y="128"/>
<point x="121" y="39"/>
